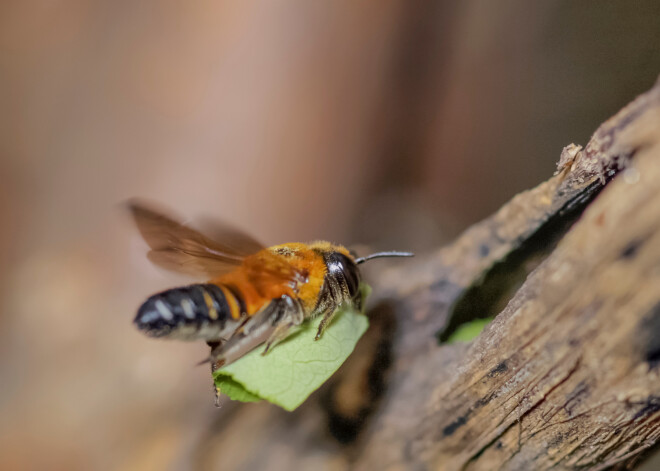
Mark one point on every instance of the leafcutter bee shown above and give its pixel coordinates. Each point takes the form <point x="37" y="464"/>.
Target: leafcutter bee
<point x="253" y="294"/>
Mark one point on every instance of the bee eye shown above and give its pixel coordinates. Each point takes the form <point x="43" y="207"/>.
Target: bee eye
<point x="342" y="267"/>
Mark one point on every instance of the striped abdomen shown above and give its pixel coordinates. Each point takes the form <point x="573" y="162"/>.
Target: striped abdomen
<point x="194" y="312"/>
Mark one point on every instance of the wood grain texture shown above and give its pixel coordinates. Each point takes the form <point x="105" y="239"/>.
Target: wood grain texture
<point x="566" y="376"/>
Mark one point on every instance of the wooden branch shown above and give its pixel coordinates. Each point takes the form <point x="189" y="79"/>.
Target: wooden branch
<point x="566" y="377"/>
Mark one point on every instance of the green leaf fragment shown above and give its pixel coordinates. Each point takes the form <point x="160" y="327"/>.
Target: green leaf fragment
<point x="469" y="330"/>
<point x="296" y="367"/>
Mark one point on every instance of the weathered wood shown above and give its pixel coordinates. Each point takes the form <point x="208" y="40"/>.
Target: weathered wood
<point x="566" y="377"/>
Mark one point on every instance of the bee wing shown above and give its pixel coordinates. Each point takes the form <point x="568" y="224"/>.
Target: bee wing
<point x="177" y="247"/>
<point x="232" y="238"/>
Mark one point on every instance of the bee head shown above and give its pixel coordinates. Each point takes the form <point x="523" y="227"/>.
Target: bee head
<point x="345" y="272"/>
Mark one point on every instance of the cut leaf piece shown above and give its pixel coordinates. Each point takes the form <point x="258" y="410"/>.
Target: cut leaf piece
<point x="296" y="367"/>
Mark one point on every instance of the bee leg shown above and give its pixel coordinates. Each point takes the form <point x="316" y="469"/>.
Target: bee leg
<point x="330" y="309"/>
<point x="216" y="391"/>
<point x="281" y="332"/>
<point x="328" y="315"/>
<point x="357" y="302"/>
<point x="288" y="319"/>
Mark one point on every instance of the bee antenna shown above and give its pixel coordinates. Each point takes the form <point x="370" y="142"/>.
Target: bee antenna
<point x="383" y="255"/>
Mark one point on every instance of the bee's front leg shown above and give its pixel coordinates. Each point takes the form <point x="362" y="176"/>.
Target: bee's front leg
<point x="328" y="315"/>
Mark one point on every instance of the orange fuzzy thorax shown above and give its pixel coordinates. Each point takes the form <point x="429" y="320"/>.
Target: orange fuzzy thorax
<point x="294" y="269"/>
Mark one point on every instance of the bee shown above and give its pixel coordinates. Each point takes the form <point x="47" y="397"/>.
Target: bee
<point x="252" y="294"/>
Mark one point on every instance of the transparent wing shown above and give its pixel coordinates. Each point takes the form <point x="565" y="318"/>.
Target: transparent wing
<point x="179" y="248"/>
<point x="232" y="238"/>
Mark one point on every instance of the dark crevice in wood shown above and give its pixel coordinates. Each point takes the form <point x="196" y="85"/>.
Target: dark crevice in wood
<point x="492" y="292"/>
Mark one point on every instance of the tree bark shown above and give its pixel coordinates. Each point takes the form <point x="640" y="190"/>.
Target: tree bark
<point x="567" y="376"/>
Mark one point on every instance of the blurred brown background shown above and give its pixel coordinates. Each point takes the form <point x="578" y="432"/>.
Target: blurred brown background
<point x="388" y="123"/>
